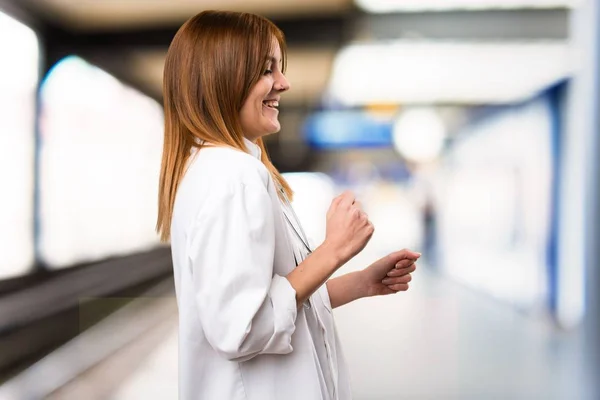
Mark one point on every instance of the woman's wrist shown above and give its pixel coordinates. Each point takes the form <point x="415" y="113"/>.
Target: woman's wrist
<point x="331" y="254"/>
<point x="360" y="285"/>
<point x="314" y="271"/>
<point x="346" y="288"/>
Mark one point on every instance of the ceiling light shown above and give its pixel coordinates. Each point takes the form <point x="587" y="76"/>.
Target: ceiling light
<point x="387" y="6"/>
<point x="407" y="72"/>
<point x="419" y="134"/>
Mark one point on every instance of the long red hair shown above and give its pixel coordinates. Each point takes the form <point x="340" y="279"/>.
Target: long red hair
<point x="214" y="60"/>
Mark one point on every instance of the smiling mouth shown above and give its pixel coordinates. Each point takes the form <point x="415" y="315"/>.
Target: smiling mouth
<point x="273" y="104"/>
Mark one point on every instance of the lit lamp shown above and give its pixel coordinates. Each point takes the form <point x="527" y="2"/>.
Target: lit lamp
<point x="418" y="134"/>
<point x="388" y="6"/>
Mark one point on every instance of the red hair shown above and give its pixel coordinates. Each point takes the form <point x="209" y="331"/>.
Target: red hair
<point x="214" y="60"/>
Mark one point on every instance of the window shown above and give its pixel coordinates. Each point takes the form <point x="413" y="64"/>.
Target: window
<point x="99" y="164"/>
<point x="18" y="83"/>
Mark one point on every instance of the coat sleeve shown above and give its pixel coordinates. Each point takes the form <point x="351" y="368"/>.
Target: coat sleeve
<point x="244" y="308"/>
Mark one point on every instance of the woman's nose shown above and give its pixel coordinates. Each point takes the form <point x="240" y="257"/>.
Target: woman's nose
<point x="282" y="84"/>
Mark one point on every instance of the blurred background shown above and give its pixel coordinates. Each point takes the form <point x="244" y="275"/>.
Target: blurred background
<point x="468" y="129"/>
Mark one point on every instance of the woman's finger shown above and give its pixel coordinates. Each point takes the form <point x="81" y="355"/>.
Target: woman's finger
<point x="403" y="255"/>
<point x="404" y="263"/>
<point x="346" y="199"/>
<point x="402" y="271"/>
<point x="401" y="287"/>
<point x="394" y="281"/>
<point x="362" y="215"/>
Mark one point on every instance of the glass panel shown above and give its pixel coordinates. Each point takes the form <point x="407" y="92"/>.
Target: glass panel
<point x="18" y="83"/>
<point x="494" y="205"/>
<point x="100" y="161"/>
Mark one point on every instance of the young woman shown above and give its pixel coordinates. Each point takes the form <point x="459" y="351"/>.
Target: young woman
<point x="255" y="304"/>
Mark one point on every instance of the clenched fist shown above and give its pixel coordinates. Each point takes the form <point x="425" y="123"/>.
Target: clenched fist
<point x="348" y="227"/>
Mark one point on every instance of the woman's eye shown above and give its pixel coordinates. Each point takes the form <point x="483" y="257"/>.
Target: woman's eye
<point x="268" y="72"/>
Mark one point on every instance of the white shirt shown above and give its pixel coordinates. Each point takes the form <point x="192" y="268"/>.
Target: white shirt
<point x="241" y="335"/>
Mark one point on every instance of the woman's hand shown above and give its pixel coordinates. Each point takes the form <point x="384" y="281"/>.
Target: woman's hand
<point x="390" y="274"/>
<point x="348" y="227"/>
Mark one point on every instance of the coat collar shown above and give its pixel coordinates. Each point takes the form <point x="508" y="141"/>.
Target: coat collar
<point x="253" y="149"/>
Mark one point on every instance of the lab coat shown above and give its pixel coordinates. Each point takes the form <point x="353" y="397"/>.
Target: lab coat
<point x="241" y="335"/>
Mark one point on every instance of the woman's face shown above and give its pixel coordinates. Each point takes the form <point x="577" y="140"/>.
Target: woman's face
<point x="259" y="113"/>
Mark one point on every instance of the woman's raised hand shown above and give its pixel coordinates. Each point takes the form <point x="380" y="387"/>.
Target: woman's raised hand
<point x="348" y="227"/>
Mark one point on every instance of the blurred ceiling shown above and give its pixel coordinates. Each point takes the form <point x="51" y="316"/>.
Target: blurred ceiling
<point x="110" y="14"/>
<point x="129" y="38"/>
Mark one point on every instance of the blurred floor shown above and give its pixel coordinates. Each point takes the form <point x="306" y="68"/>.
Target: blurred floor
<point x="440" y="340"/>
<point x="437" y="341"/>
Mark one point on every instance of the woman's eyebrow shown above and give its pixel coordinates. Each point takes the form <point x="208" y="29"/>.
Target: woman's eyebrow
<point x="273" y="60"/>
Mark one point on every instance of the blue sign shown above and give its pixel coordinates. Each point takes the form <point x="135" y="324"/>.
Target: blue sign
<point x="345" y="129"/>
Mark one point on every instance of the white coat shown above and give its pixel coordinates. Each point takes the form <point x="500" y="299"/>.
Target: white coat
<point x="241" y="335"/>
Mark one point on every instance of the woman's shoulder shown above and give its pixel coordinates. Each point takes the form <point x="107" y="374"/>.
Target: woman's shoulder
<point x="214" y="174"/>
<point x="226" y="166"/>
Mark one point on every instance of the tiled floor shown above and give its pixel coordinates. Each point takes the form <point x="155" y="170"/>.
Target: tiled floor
<point x="437" y="341"/>
<point x="442" y="341"/>
<point x="157" y="378"/>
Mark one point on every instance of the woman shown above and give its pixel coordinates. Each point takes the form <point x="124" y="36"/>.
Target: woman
<point x="255" y="318"/>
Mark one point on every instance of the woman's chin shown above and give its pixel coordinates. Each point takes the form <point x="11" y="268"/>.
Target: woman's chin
<point x="272" y="127"/>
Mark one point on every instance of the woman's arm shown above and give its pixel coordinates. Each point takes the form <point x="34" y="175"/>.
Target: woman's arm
<point x="345" y="289"/>
<point x="348" y="231"/>
<point x="245" y="309"/>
